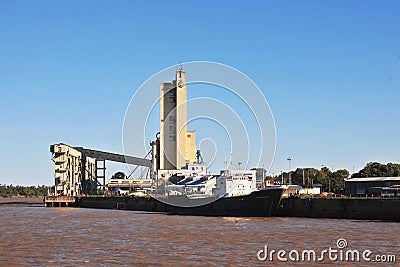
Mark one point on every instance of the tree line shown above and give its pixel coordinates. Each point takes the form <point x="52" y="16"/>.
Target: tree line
<point x="333" y="181"/>
<point x="375" y="169"/>
<point x="26" y="191"/>
<point x="328" y="180"/>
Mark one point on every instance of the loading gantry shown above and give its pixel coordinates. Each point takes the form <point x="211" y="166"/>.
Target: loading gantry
<point x="81" y="171"/>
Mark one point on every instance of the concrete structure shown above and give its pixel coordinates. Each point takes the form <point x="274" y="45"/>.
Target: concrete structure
<point x="155" y="156"/>
<point x="89" y="175"/>
<point x="369" y="185"/>
<point x="78" y="170"/>
<point x="101" y="157"/>
<point x="60" y="201"/>
<point x="177" y="145"/>
<point x="74" y="173"/>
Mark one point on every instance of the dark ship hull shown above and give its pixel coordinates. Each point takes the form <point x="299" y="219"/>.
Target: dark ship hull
<point x="362" y="208"/>
<point x="261" y="203"/>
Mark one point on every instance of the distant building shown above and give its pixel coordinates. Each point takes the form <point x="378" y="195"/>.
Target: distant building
<point x="292" y="190"/>
<point x="310" y="191"/>
<point x="369" y="185"/>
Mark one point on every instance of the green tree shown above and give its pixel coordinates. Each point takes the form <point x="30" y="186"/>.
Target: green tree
<point x="324" y="176"/>
<point x="337" y="180"/>
<point x="28" y="191"/>
<point x="376" y="169"/>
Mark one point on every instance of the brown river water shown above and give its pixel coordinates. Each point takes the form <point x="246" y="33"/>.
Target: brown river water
<point x="38" y="236"/>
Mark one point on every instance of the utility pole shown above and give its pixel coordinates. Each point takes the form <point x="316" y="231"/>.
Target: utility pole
<point x="290" y="175"/>
<point x="329" y="178"/>
<point x="329" y="186"/>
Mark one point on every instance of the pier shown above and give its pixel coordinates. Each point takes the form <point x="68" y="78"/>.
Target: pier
<point x="60" y="201"/>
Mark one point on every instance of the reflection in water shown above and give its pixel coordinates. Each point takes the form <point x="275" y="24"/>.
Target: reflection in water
<point x="36" y="236"/>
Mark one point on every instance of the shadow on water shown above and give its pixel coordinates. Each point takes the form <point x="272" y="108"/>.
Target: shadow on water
<point x="373" y="221"/>
<point x="21" y="203"/>
<point x="147" y="212"/>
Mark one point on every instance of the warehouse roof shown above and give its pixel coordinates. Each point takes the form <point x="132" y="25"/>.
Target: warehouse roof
<point x="373" y="179"/>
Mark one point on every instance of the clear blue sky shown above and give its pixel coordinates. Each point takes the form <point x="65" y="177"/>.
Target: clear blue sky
<point x="330" y="71"/>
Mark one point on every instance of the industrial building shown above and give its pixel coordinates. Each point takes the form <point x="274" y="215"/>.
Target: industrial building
<point x="177" y="145"/>
<point x="74" y="173"/>
<point x="369" y="185"/>
<point x="174" y="157"/>
<point x="81" y="171"/>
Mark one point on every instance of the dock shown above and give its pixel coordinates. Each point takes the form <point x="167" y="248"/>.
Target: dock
<point x="60" y="201"/>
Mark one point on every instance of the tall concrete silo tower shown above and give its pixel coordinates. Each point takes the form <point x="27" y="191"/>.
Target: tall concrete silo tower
<point x="177" y="145"/>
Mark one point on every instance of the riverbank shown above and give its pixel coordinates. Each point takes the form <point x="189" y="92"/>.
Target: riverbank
<point x="21" y="201"/>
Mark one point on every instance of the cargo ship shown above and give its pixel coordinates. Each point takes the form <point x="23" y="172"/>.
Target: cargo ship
<point x="260" y="203"/>
<point x="232" y="193"/>
<point x="188" y="191"/>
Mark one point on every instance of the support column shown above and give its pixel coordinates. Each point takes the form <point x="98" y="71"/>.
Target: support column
<point x="101" y="172"/>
